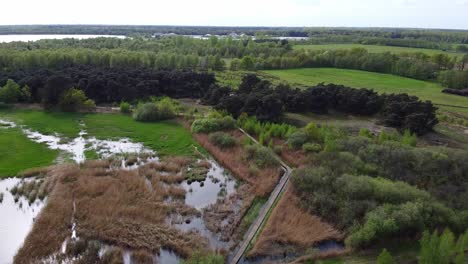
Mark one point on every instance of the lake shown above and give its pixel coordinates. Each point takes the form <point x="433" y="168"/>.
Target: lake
<point x="25" y="38"/>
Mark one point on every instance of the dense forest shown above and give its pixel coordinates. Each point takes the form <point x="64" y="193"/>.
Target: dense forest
<point x="185" y="53"/>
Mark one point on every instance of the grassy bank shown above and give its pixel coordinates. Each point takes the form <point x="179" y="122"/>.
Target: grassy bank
<point x="382" y="83"/>
<point x="18" y="153"/>
<point x="166" y="137"/>
<point x="66" y="124"/>
<point x="376" y="49"/>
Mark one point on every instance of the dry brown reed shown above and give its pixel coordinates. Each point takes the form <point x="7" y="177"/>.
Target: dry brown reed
<point x="291" y="225"/>
<point x="291" y="156"/>
<point x="263" y="181"/>
<point x="142" y="257"/>
<point x="52" y="225"/>
<point x="113" y="206"/>
<point x="34" y="172"/>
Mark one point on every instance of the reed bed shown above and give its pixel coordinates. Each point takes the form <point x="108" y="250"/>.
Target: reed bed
<point x="291" y="225"/>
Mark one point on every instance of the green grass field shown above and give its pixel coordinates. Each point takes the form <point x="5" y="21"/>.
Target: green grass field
<point x="167" y="137"/>
<point x="375" y="49"/>
<point x="382" y="83"/>
<point x="18" y="153"/>
<point x="66" y="124"/>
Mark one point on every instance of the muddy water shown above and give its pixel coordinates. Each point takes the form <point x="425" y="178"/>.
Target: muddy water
<point x="16" y="220"/>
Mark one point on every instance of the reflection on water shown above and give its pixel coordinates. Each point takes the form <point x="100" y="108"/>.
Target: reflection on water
<point x="217" y="184"/>
<point x="79" y="145"/>
<point x="16" y="220"/>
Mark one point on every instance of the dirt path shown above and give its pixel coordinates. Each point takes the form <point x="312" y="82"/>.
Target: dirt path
<point x="255" y="227"/>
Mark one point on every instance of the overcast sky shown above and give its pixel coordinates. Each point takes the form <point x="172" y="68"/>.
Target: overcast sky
<point x="349" y="13"/>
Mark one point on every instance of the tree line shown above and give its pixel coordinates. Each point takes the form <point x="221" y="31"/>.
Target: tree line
<point x="108" y="85"/>
<point x="260" y="98"/>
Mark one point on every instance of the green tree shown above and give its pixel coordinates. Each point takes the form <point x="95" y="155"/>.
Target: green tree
<point x="247" y="63"/>
<point x="75" y="100"/>
<point x="385" y="257"/>
<point x="10" y="93"/>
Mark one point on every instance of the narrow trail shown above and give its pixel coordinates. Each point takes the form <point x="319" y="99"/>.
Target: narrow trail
<point x="256" y="225"/>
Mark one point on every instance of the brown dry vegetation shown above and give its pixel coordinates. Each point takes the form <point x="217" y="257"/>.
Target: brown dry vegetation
<point x="225" y="216"/>
<point x="52" y="225"/>
<point x="117" y="207"/>
<point x="263" y="180"/>
<point x="291" y="225"/>
<point x="291" y="156"/>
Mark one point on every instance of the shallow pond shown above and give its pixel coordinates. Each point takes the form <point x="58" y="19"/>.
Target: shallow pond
<point x="16" y="220"/>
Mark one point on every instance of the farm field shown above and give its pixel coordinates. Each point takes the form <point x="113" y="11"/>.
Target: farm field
<point x="375" y="49"/>
<point x="382" y="83"/>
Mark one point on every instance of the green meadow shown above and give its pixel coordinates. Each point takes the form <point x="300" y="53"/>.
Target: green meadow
<point x="18" y="153"/>
<point x="382" y="83"/>
<point x="376" y="49"/>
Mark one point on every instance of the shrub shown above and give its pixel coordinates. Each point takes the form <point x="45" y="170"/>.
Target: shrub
<point x="313" y="132"/>
<point x="297" y="139"/>
<point x="73" y="100"/>
<point x="149" y="112"/>
<point x="365" y="132"/>
<point x="262" y="156"/>
<point x="125" y="107"/>
<point x="311" y="147"/>
<point x="208" y="125"/>
<point x="409" y="139"/>
<point x="222" y="140"/>
<point x="278" y="149"/>
<point x="385" y="258"/>
<point x="10" y="93"/>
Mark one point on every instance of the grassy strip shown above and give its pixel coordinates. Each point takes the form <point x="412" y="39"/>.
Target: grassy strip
<point x="382" y="83"/>
<point x="18" y="153"/>
<point x="259" y="231"/>
<point x="376" y="49"/>
<point x="252" y="213"/>
<point x="166" y="137"/>
<point x="66" y="124"/>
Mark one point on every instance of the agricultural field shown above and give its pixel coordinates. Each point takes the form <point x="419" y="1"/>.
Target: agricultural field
<point x="376" y="49"/>
<point x="382" y="83"/>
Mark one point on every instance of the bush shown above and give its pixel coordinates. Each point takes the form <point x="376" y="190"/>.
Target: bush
<point x="385" y="258"/>
<point x="222" y="140"/>
<point x="149" y="112"/>
<point x="297" y="139"/>
<point x="262" y="156"/>
<point x="74" y="100"/>
<point x="125" y="108"/>
<point x="311" y="147"/>
<point x="208" y="125"/>
<point x="10" y="93"/>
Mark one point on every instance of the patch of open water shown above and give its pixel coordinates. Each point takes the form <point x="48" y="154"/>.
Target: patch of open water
<point x="16" y="220"/>
<point x="14" y="229"/>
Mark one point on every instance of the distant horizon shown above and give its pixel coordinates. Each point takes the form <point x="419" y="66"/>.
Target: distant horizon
<point x="244" y="26"/>
<point x="417" y="14"/>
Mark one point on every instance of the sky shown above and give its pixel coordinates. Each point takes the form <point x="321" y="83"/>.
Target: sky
<point x="450" y="14"/>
